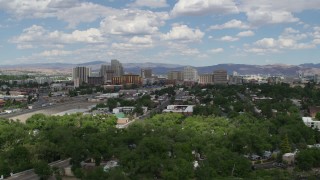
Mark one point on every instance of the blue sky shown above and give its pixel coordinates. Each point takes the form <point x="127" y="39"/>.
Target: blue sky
<point x="187" y="32"/>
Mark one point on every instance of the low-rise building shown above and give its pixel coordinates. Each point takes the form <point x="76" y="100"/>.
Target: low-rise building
<point x="308" y="121"/>
<point x="183" y="109"/>
<point x="288" y="158"/>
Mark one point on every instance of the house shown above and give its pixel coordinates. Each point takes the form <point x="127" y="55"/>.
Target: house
<point x="110" y="165"/>
<point x="313" y="110"/>
<point x="308" y="121"/>
<point x="183" y="109"/>
<point x="288" y="158"/>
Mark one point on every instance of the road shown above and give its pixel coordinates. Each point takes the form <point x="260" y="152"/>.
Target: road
<point x="49" y="110"/>
<point x="30" y="175"/>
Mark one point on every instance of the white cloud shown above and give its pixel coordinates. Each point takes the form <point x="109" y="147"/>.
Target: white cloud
<point x="184" y="33"/>
<point x="216" y="51"/>
<point x="272" y="45"/>
<point x="202" y="7"/>
<point x="232" y="24"/>
<point x="84" y="13"/>
<point x="141" y="40"/>
<point x="149" y="3"/>
<point x="260" y="17"/>
<point x="245" y="34"/>
<point x="54" y="52"/>
<point x="38" y="36"/>
<point x="229" y="38"/>
<point x="70" y="11"/>
<point x="134" y="22"/>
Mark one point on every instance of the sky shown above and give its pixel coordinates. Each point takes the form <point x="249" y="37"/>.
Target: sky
<point x="185" y="32"/>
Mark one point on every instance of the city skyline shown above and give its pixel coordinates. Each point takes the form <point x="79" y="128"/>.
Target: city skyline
<point x="185" y="32"/>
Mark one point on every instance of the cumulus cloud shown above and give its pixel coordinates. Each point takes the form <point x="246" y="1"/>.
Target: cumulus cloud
<point x="260" y="17"/>
<point x="134" y="22"/>
<point x="70" y="11"/>
<point x="245" y="34"/>
<point x="55" y="52"/>
<point x="38" y="36"/>
<point x="232" y="24"/>
<point x="216" y="51"/>
<point x="149" y="3"/>
<point x="276" y="45"/>
<point x="202" y="7"/>
<point x="184" y="33"/>
<point x="229" y="38"/>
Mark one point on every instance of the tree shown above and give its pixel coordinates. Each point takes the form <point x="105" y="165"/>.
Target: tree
<point x="42" y="169"/>
<point x="138" y="109"/>
<point x="8" y="92"/>
<point x="285" y="146"/>
<point x="112" y="103"/>
<point x="318" y="116"/>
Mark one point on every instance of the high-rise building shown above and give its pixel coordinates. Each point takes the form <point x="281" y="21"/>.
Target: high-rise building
<point x="80" y="75"/>
<point x="175" y="75"/>
<point x="220" y="77"/>
<point x="116" y="66"/>
<point x="146" y="73"/>
<point x="316" y="78"/>
<point x="107" y="73"/>
<point x="206" y="78"/>
<point x="190" y="74"/>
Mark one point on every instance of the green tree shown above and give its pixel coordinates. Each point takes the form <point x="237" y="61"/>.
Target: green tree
<point x="42" y="169"/>
<point x="112" y="103"/>
<point x="318" y="116"/>
<point x="285" y="145"/>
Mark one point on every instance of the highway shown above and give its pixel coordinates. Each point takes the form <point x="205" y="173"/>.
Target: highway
<point x="30" y="175"/>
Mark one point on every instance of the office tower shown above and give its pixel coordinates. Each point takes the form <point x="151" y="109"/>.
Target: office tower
<point x="116" y="66"/>
<point x="107" y="73"/>
<point x="146" y="73"/>
<point x="80" y="75"/>
<point x="220" y="77"/>
<point x="190" y="74"/>
<point x="175" y="75"/>
<point x="206" y="79"/>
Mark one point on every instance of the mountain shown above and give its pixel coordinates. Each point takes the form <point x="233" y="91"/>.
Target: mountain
<point x="310" y="65"/>
<point x="162" y="68"/>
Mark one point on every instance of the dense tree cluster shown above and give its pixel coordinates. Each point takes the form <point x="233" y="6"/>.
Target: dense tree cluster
<point x="211" y="144"/>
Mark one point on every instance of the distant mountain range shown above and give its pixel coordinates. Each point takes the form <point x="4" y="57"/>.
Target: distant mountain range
<point x="161" y="68"/>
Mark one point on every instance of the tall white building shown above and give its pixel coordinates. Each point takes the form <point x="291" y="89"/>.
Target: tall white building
<point x="190" y="74"/>
<point x="117" y="67"/>
<point x="80" y="75"/>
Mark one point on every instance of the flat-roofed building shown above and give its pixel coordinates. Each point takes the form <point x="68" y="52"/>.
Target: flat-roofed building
<point x="220" y="76"/>
<point x="190" y="73"/>
<point x="206" y="79"/>
<point x="127" y="79"/>
<point x="175" y="75"/>
<point x="146" y="73"/>
<point x="80" y="75"/>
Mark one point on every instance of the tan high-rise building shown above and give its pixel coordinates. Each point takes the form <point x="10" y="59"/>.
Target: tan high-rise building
<point x="190" y="73"/>
<point x="146" y="73"/>
<point x="175" y="75"/>
<point x="80" y="75"/>
<point x="220" y="77"/>
<point x="107" y="73"/>
<point x="206" y="78"/>
<point x="117" y="67"/>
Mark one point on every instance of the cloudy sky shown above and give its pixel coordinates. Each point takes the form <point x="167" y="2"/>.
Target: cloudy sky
<point x="194" y="32"/>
